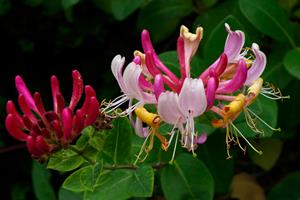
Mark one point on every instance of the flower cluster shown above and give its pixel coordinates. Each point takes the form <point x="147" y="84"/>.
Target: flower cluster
<point x="47" y="131"/>
<point x="226" y="88"/>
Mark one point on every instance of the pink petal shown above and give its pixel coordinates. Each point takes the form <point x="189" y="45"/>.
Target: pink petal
<point x="22" y="89"/>
<point x="139" y="129"/>
<point x="234" y="43"/>
<point x="25" y="108"/>
<point x="39" y="103"/>
<point x="89" y="92"/>
<point x="116" y="68"/>
<point x="77" y="89"/>
<point x="78" y="121"/>
<point x="202" y="138"/>
<point x="131" y="81"/>
<point x="257" y="67"/>
<point x="192" y="98"/>
<point x="181" y="58"/>
<point x="212" y="86"/>
<point x="158" y="86"/>
<point x="168" y="108"/>
<point x="190" y="45"/>
<point x="237" y="81"/>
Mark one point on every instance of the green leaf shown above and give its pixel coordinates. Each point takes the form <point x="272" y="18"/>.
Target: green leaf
<point x="118" y="142"/>
<point x="115" y="188"/>
<point x="98" y="139"/>
<point x="84" y="179"/>
<point x="67" y="4"/>
<point x="213" y="154"/>
<point x="275" y="72"/>
<point x="41" y="184"/>
<point x="64" y="194"/>
<point x="292" y="62"/>
<point x="124" y="184"/>
<point x="187" y="178"/>
<point x="4" y="6"/>
<point x="123" y="8"/>
<point x="214" y="45"/>
<point x="269" y="18"/>
<point x="271" y="152"/>
<point x="142" y="182"/>
<point x="65" y="160"/>
<point x="162" y="17"/>
<point x="287" y="188"/>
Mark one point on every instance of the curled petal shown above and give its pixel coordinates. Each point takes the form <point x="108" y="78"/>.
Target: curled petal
<point x="168" y="108"/>
<point x="192" y="99"/>
<point x="77" y="89"/>
<point x="191" y="40"/>
<point x="218" y="67"/>
<point x="151" y="64"/>
<point x="13" y="129"/>
<point x="158" y="85"/>
<point x="131" y="80"/>
<point x="190" y="45"/>
<point x="67" y="123"/>
<point x="212" y="86"/>
<point x="23" y="90"/>
<point x="139" y="129"/>
<point x="116" y="68"/>
<point x="234" y="43"/>
<point x="92" y="111"/>
<point x="237" y="81"/>
<point x="258" y="65"/>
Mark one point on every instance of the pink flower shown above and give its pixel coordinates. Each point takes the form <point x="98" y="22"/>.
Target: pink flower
<point x="46" y="131"/>
<point x="181" y="109"/>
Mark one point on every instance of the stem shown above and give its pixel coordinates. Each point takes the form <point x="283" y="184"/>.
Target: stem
<point x="80" y="153"/>
<point x="158" y="165"/>
<point x="12" y="148"/>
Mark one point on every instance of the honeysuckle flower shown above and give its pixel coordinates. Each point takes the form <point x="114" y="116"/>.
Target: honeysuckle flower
<point x="181" y="109"/>
<point x="130" y="82"/>
<point x="46" y="131"/>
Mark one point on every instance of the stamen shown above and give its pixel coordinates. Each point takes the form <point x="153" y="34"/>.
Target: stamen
<point x="271" y="92"/>
<point x="265" y="123"/>
<point x="251" y="122"/>
<point x="257" y="151"/>
<point x="142" y="149"/>
<point x="174" y="150"/>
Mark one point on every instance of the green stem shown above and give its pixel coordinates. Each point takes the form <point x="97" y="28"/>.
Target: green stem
<point x="80" y="153"/>
<point x="134" y="167"/>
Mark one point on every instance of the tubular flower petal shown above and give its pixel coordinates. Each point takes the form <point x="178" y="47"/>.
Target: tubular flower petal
<point x="192" y="99"/>
<point x="168" y="108"/>
<point x="47" y="131"/>
<point x="158" y="86"/>
<point x="234" y="43"/>
<point x="190" y="45"/>
<point x="258" y="65"/>
<point x="212" y="86"/>
<point x="77" y="89"/>
<point x="237" y="81"/>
